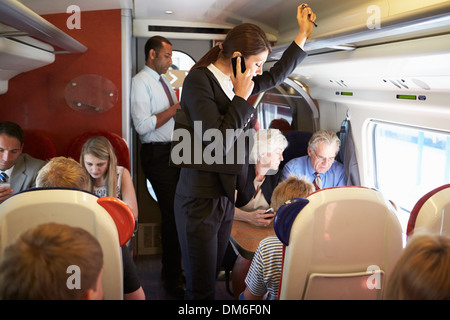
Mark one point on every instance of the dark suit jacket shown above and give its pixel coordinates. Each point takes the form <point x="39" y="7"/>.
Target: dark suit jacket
<point x="246" y="189"/>
<point x="204" y="100"/>
<point x="25" y="172"/>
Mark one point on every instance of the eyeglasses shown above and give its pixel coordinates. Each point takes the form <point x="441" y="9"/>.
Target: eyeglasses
<point x="323" y="159"/>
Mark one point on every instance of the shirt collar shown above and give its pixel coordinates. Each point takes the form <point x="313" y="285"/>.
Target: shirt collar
<point x="9" y="171"/>
<point x="224" y="80"/>
<point x="152" y="72"/>
<point x="311" y="170"/>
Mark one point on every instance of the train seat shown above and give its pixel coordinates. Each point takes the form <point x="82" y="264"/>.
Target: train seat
<point x="339" y="243"/>
<point x="281" y="124"/>
<point x="431" y="212"/>
<point x="37" y="145"/>
<point x="297" y="146"/>
<point x="118" y="143"/>
<point x="108" y="219"/>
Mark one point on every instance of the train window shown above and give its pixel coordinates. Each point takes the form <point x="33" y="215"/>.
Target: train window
<point x="285" y="102"/>
<point x="269" y="110"/>
<point x="181" y="61"/>
<point x="409" y="161"/>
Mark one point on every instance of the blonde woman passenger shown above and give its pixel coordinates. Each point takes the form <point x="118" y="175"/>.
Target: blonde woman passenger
<point x="107" y="179"/>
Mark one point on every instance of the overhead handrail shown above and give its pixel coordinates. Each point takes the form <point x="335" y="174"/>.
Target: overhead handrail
<point x="434" y="18"/>
<point x="16" y="15"/>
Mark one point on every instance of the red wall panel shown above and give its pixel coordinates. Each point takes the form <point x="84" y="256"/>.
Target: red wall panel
<point x="36" y="99"/>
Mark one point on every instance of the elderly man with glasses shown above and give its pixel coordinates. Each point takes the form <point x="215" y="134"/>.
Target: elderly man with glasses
<point x="319" y="167"/>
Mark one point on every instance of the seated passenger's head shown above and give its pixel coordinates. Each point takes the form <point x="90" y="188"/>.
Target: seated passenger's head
<point x="11" y="144"/>
<point x="52" y="262"/>
<point x="100" y="161"/>
<point x="423" y="270"/>
<point x="62" y="172"/>
<point x="322" y="149"/>
<point x="290" y="188"/>
<point x="281" y="124"/>
<point x="268" y="147"/>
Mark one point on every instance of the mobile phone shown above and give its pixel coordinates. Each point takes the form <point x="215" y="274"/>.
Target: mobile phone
<point x="234" y="62"/>
<point x="269" y="211"/>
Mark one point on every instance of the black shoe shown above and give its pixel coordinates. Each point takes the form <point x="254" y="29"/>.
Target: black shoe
<point x="174" y="286"/>
<point x="175" y="289"/>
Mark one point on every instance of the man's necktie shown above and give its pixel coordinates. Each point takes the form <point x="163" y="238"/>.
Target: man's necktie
<point x="3" y="177"/>
<point x="166" y="89"/>
<point x="317" y="181"/>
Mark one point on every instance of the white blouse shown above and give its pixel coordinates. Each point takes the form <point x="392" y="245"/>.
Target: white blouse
<point x="101" y="191"/>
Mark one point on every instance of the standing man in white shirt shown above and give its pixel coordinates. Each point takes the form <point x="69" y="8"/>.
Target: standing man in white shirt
<point x="153" y="108"/>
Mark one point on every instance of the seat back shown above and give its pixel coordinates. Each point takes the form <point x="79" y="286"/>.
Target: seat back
<point x="72" y="207"/>
<point x="37" y="145"/>
<point x="297" y="146"/>
<point x="432" y="212"/>
<point x="120" y="146"/>
<point x="340" y="243"/>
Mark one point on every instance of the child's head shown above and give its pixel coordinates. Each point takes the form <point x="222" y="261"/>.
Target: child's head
<point x="290" y="188"/>
<point x="423" y="270"/>
<point x="52" y="261"/>
<point x="62" y="172"/>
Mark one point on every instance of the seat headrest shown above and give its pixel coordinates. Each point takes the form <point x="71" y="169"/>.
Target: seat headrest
<point x="120" y="212"/>
<point x="285" y="217"/>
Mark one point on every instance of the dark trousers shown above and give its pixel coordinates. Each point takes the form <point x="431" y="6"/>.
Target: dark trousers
<point x="164" y="179"/>
<point x="204" y="227"/>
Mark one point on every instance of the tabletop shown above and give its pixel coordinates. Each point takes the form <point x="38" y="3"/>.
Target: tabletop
<point x="246" y="237"/>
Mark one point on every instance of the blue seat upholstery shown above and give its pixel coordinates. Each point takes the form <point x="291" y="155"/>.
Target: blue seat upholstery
<point x="297" y="146"/>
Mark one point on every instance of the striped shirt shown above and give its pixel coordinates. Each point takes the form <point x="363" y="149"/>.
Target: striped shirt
<point x="265" y="271"/>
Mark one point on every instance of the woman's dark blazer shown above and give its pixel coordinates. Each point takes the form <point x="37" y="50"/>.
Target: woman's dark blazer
<point x="246" y="188"/>
<point x="204" y="100"/>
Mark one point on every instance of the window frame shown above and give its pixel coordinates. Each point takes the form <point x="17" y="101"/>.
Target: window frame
<point x="374" y="166"/>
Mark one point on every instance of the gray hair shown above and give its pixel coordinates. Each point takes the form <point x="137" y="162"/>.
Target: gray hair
<point x="267" y="141"/>
<point x="327" y="136"/>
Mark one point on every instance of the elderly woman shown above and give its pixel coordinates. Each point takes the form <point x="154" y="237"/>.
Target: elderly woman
<point x="257" y="182"/>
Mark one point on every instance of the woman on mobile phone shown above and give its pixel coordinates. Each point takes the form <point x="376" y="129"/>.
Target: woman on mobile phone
<point x="215" y="98"/>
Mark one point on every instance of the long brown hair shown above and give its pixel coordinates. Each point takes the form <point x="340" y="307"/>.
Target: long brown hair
<point x="101" y="148"/>
<point x="247" y="38"/>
